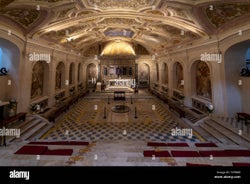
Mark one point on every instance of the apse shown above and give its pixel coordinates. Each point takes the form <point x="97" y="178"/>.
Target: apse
<point x="118" y="48"/>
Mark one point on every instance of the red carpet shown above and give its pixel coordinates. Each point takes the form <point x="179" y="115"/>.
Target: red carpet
<point x="32" y="150"/>
<point x="238" y="153"/>
<point x="177" y="144"/>
<point x="205" y="144"/>
<point x="215" y="153"/>
<point x="199" y="165"/>
<point x="226" y="153"/>
<point x="74" y="143"/>
<point x="176" y="153"/>
<point x="42" y="150"/>
<point x="150" y="153"/>
<point x="63" y="152"/>
<point x="240" y="164"/>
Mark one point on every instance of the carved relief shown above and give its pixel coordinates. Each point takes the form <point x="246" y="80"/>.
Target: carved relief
<point x="110" y="21"/>
<point x="121" y="4"/>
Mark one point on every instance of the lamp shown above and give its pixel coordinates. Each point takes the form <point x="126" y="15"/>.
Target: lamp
<point x="240" y="82"/>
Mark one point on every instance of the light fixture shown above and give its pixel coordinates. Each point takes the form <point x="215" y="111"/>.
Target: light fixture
<point x="96" y="57"/>
<point x="182" y="82"/>
<point x="240" y="82"/>
<point x="153" y="57"/>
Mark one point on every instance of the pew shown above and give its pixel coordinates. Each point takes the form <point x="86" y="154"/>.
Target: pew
<point x="18" y="117"/>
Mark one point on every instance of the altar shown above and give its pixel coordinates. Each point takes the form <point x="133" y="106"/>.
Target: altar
<point x="126" y="85"/>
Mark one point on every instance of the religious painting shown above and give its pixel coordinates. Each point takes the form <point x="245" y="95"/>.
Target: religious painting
<point x="91" y="71"/>
<point x="179" y="76"/>
<point x="71" y="73"/>
<point x="59" y="75"/>
<point x="37" y="80"/>
<point x="203" y="81"/>
<point x="164" y="74"/>
<point x="143" y="72"/>
<point x="157" y="72"/>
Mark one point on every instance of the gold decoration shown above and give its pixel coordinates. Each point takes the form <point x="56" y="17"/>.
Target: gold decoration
<point x="118" y="48"/>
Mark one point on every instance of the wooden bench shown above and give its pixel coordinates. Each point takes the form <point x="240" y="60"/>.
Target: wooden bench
<point x="18" y="117"/>
<point x="177" y="109"/>
<point x="245" y="117"/>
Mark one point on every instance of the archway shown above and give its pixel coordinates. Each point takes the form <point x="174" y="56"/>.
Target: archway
<point x="10" y="59"/>
<point x="237" y="96"/>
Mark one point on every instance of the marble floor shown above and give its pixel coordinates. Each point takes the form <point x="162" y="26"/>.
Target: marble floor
<point x="116" y="139"/>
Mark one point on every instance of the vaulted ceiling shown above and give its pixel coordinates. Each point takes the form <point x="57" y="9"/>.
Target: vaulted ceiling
<point x="152" y="26"/>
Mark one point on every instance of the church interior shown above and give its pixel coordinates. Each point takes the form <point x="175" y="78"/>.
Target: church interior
<point x="125" y="83"/>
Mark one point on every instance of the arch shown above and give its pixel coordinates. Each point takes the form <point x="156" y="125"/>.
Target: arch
<point x="178" y="76"/>
<point x="201" y="80"/>
<point x="71" y="73"/>
<point x="10" y="59"/>
<point x="60" y="76"/>
<point x="40" y="79"/>
<point x="234" y="61"/>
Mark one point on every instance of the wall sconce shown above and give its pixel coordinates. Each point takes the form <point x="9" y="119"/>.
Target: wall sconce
<point x="9" y="82"/>
<point x="240" y="82"/>
<point x="96" y="57"/>
<point x="66" y="82"/>
<point x="153" y="57"/>
<point x="182" y="82"/>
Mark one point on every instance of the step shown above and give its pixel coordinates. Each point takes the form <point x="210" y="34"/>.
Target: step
<point x="231" y="128"/>
<point x="31" y="131"/>
<point x="38" y="132"/>
<point x="221" y="138"/>
<point x="234" y="136"/>
<point x="223" y="131"/>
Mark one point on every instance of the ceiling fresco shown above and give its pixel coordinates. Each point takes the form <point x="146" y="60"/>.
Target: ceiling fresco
<point x="155" y="26"/>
